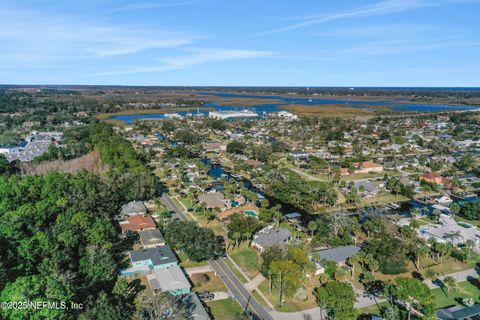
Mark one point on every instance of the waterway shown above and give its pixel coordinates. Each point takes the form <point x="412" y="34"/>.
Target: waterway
<point x="284" y="101"/>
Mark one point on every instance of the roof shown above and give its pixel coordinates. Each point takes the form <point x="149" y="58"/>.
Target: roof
<point x="197" y="311"/>
<point x="293" y="215"/>
<point x="368" y="164"/>
<point x="158" y="255"/>
<point x="137" y="223"/>
<point x="338" y="254"/>
<point x="269" y="237"/>
<point x="213" y="200"/>
<point x="151" y="237"/>
<point x="430" y="175"/>
<point x="168" y="279"/>
<point x="134" y="207"/>
<point x="456" y="313"/>
<point x="367" y="185"/>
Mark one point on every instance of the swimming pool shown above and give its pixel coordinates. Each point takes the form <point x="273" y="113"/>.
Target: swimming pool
<point x="251" y="213"/>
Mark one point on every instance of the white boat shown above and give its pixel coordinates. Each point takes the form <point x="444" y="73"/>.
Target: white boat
<point x="444" y="200"/>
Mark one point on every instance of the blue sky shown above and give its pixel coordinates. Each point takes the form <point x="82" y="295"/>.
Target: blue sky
<point x="248" y="42"/>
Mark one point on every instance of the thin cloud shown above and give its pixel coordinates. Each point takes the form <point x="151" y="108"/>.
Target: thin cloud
<point x="37" y="37"/>
<point x="193" y="58"/>
<point x="381" y="8"/>
<point x="154" y="5"/>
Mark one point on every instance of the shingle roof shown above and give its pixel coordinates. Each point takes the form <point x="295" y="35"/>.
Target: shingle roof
<point x="151" y="237"/>
<point x="339" y="254"/>
<point x="169" y="279"/>
<point x="271" y="237"/>
<point x="136" y="223"/>
<point x="134" y="207"/>
<point x="158" y="255"/>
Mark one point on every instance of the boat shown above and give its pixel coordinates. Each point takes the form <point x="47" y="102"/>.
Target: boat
<point x="444" y="200"/>
<point x="394" y="205"/>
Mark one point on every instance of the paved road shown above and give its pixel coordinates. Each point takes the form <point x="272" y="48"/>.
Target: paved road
<point x="246" y="300"/>
<point x="168" y="202"/>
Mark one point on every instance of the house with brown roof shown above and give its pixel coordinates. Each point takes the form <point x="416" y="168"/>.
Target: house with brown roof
<point x="431" y="177"/>
<point x="368" y="167"/>
<point x="137" y="223"/>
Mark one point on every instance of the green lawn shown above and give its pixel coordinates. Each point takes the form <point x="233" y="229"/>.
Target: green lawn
<point x="472" y="222"/>
<point x="207" y="282"/>
<point x="188" y="203"/>
<point x="227" y="309"/>
<point x="184" y="262"/>
<point x="464" y="290"/>
<point x="247" y="259"/>
<point x="235" y="271"/>
<point x="372" y="309"/>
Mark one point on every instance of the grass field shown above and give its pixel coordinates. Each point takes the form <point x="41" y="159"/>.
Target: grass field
<point x="464" y="290"/>
<point x="227" y="309"/>
<point x="330" y="110"/>
<point x="291" y="304"/>
<point x="184" y="262"/>
<point x="247" y="259"/>
<point x="207" y="281"/>
<point x="234" y="269"/>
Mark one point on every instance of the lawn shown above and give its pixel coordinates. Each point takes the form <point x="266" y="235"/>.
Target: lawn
<point x="247" y="259"/>
<point x="188" y="203"/>
<point x="227" y="309"/>
<point x="384" y="197"/>
<point x="464" y="290"/>
<point x="186" y="263"/>
<point x="234" y="269"/>
<point x="375" y="309"/>
<point x="207" y="281"/>
<point x="472" y="222"/>
<point x="291" y="304"/>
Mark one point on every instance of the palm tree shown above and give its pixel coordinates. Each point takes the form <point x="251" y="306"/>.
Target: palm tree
<point x="430" y="273"/>
<point x="352" y="261"/>
<point x="312" y="226"/>
<point x="453" y="236"/>
<point x="450" y="283"/>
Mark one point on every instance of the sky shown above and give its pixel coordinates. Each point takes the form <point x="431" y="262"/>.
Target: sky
<point x="426" y="43"/>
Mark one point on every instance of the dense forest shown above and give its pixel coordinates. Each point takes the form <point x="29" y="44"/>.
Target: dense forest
<point x="58" y="238"/>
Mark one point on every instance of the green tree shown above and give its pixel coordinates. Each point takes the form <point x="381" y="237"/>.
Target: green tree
<point x="37" y="289"/>
<point x="416" y="296"/>
<point x="338" y="298"/>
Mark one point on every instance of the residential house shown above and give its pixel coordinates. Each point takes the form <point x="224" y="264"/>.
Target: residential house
<point x="367" y="188"/>
<point x="452" y="232"/>
<point x="171" y="280"/>
<point x="431" y="177"/>
<point x="137" y="223"/>
<point x="214" y="200"/>
<point x="368" y="167"/>
<point x="151" y="238"/>
<point x="197" y="311"/>
<point x="339" y="254"/>
<point x="459" y="313"/>
<point x="269" y="237"/>
<point x="146" y="260"/>
<point x="134" y="208"/>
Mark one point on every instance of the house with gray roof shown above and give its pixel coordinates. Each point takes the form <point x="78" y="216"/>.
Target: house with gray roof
<point x="171" y="280"/>
<point x="459" y="313"/>
<point x="270" y="236"/>
<point x="194" y="304"/>
<point x="214" y="200"/>
<point x="151" y="238"/>
<point x="339" y="254"/>
<point x="134" y="208"/>
<point x="146" y="260"/>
